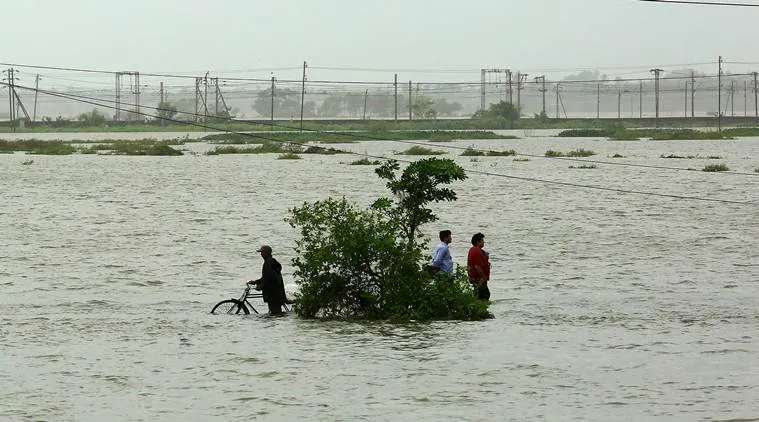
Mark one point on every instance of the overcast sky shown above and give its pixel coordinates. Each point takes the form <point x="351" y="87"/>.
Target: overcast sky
<point x="618" y="37"/>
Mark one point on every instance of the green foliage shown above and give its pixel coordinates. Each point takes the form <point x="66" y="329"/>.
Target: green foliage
<point x="505" y="153"/>
<point x="584" y="166"/>
<point x="741" y="131"/>
<point x="37" y="147"/>
<point x="136" y="147"/>
<point x="418" y="185"/>
<point x="501" y="110"/>
<point x="574" y="153"/>
<point x="93" y="118"/>
<point x="756" y="170"/>
<point x="365" y="162"/>
<point x="362" y="263"/>
<point x="419" y="150"/>
<point x="584" y="133"/>
<point x="166" y="111"/>
<point x="716" y="167"/>
<point x="471" y="152"/>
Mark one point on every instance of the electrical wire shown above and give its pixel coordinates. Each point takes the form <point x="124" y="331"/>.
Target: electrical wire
<point x="703" y="3"/>
<point x="526" y="179"/>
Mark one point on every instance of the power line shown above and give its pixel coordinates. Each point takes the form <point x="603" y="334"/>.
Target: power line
<point x="527" y="179"/>
<point x="703" y="3"/>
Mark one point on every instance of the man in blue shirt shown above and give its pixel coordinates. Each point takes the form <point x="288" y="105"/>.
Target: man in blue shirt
<point x="441" y="258"/>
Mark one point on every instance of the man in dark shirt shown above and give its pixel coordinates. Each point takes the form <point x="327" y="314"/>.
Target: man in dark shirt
<point x="271" y="285"/>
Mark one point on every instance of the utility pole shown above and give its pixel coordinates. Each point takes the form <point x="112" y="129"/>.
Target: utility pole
<point x="205" y="95"/>
<point x="409" y="100"/>
<point x="686" y="99"/>
<point x="692" y="93"/>
<point x="117" y="117"/>
<point x="732" y="98"/>
<point x="366" y="97"/>
<point x="215" y="82"/>
<point x="162" y="94"/>
<point x="511" y="90"/>
<point x="619" y="103"/>
<point x="302" y="95"/>
<point x="557" y="101"/>
<point x="395" y="85"/>
<point x="640" y="99"/>
<point x="598" y="101"/>
<point x="521" y="78"/>
<point x="197" y="98"/>
<point x="137" y="95"/>
<point x="542" y="79"/>
<point x="11" y="99"/>
<point x="272" y="99"/>
<point x="656" y="73"/>
<point x="482" y="90"/>
<point x="756" y="104"/>
<point x="745" y="98"/>
<point x="36" y="91"/>
<point x="719" y="96"/>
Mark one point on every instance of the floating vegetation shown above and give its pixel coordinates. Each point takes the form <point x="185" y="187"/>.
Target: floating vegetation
<point x="575" y="153"/>
<point x="350" y="137"/>
<point x="364" y="162"/>
<point x="474" y="160"/>
<point x="37" y="147"/>
<point x="584" y="166"/>
<point x="137" y="147"/>
<point x="716" y="167"/>
<point x="521" y="159"/>
<point x="289" y="156"/>
<point x="419" y="150"/>
<point x="27" y="162"/>
<point x="501" y="153"/>
<point x="584" y="133"/>
<point x="471" y="152"/>
<point x="322" y="150"/>
<point x="690" y="157"/>
<point x="618" y="156"/>
<point x="756" y="170"/>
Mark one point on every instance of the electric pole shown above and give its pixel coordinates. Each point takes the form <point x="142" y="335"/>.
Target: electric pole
<point x="656" y="73"/>
<point x="366" y="97"/>
<point x="521" y="78"/>
<point x="511" y="90"/>
<point x="756" y="104"/>
<point x="557" y="101"/>
<point x="619" y="103"/>
<point x="482" y="90"/>
<point x="719" y="96"/>
<point x="272" y="99"/>
<point x="542" y="79"/>
<point x="36" y="91"/>
<point x="302" y="95"/>
<point x="692" y="94"/>
<point x="395" y="85"/>
<point x="686" y="98"/>
<point x="640" y="99"/>
<point x="732" y="98"/>
<point x="598" y="101"/>
<point x="409" y="100"/>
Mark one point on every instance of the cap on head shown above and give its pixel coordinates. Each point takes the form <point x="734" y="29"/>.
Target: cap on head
<point x="264" y="248"/>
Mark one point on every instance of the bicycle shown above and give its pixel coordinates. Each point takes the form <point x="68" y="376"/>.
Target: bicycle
<point x="241" y="305"/>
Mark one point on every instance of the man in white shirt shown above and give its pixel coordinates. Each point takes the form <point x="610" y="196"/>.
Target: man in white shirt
<point x="441" y="258"/>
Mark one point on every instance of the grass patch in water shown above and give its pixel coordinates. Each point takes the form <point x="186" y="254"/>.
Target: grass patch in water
<point x="289" y="156"/>
<point x="574" y="153"/>
<point x="364" y="162"/>
<point x="584" y="166"/>
<point x="618" y="156"/>
<point x="137" y="147"/>
<point x="419" y="150"/>
<point x="37" y="147"/>
<point x="716" y="167"/>
<point x="521" y="159"/>
<point x="350" y="137"/>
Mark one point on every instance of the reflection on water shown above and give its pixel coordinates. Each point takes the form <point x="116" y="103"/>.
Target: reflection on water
<point x="608" y="306"/>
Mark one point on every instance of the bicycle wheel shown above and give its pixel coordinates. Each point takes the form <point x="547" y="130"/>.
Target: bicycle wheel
<point x="230" y="306"/>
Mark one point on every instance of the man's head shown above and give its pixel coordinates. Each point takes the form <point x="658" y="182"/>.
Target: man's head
<point x="478" y="240"/>
<point x="265" y="251"/>
<point x="445" y="236"/>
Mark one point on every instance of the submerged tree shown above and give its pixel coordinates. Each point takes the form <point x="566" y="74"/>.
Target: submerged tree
<point x="367" y="263"/>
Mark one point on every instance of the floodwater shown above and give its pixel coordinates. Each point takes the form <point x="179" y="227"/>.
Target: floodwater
<point x="609" y="306"/>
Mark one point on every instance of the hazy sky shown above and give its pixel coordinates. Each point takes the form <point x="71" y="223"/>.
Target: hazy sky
<point x="618" y="37"/>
